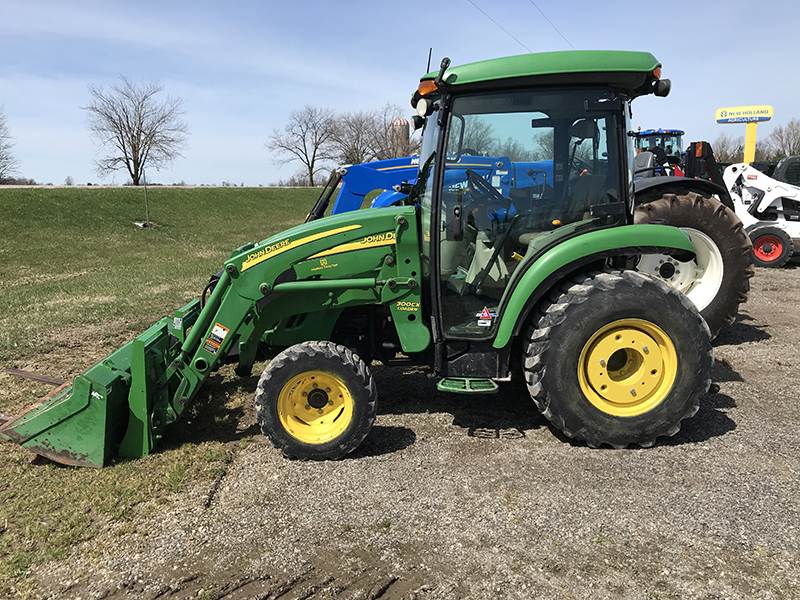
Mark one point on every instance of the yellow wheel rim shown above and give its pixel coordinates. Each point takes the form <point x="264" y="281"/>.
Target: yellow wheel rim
<point x="628" y="367"/>
<point x="315" y="407"/>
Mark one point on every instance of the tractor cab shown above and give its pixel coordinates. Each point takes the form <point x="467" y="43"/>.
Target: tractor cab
<point x="506" y="175"/>
<point x="667" y="144"/>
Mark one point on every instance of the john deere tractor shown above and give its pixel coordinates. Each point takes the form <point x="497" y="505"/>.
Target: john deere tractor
<point x="526" y="269"/>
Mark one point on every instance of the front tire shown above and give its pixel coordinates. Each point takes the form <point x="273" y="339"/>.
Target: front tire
<point x="719" y="279"/>
<point x="618" y="358"/>
<point x="772" y="247"/>
<point x="316" y="400"/>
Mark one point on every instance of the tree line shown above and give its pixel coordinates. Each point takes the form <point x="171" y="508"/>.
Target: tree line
<point x="783" y="141"/>
<point x="131" y="127"/>
<point x="134" y="129"/>
<point x="320" y="139"/>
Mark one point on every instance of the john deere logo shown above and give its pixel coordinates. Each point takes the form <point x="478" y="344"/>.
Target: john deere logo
<point x="323" y="262"/>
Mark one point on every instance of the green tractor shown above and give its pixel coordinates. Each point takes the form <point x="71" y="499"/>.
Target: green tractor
<point x="525" y="269"/>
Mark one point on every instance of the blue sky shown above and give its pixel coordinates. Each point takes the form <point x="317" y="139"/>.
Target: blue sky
<point x="242" y="66"/>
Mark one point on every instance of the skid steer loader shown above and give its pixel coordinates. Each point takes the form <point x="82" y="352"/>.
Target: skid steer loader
<point x="480" y="285"/>
<point x="770" y="211"/>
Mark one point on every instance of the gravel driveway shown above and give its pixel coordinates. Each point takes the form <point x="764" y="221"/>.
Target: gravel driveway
<point x="476" y="497"/>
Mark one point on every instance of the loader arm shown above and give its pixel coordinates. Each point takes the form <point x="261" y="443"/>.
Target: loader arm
<point x="291" y="287"/>
<point x="755" y="189"/>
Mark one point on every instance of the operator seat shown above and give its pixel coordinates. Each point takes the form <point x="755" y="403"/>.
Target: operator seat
<point x="644" y="165"/>
<point x="586" y="190"/>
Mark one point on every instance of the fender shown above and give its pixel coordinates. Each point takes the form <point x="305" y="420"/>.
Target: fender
<point x="688" y="184"/>
<point x="552" y="265"/>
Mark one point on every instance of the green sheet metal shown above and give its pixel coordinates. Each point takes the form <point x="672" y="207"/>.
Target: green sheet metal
<point x="633" y="239"/>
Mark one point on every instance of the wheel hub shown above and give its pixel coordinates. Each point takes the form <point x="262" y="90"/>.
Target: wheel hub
<point x="768" y="248"/>
<point x="627" y="367"/>
<point x="667" y="270"/>
<point x="318" y="398"/>
<point x="700" y="279"/>
<point x="315" y="407"/>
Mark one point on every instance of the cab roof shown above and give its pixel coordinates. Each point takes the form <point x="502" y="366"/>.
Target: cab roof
<point x="630" y="72"/>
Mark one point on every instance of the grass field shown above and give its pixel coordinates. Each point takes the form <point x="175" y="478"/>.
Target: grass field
<point x="78" y="278"/>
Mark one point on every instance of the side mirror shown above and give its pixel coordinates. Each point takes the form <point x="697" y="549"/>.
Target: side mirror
<point x="663" y="87"/>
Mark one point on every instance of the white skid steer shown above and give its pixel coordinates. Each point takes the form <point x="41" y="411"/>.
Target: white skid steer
<point x="770" y="212"/>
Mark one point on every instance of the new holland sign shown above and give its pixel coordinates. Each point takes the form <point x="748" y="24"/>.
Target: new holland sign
<point x="744" y="114"/>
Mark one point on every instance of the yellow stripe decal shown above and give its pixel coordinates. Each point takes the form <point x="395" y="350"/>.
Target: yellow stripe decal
<point x="279" y="248"/>
<point x="371" y="241"/>
<point x="399" y="167"/>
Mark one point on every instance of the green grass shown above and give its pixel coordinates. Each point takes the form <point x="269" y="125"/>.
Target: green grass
<point x="77" y="279"/>
<point x="73" y="256"/>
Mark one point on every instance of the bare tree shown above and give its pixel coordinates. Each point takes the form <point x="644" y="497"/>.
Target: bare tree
<point x="373" y="135"/>
<point x="785" y="140"/>
<point x="728" y="149"/>
<point x="308" y="137"/>
<point x="352" y="138"/>
<point x="8" y="164"/>
<point x="385" y="144"/>
<point x="134" y="128"/>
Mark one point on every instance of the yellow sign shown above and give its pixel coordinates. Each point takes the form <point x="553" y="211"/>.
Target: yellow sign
<point x="744" y="114"/>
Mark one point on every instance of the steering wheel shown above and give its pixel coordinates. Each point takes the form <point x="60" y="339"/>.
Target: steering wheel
<point x="479" y="188"/>
<point x="576" y="167"/>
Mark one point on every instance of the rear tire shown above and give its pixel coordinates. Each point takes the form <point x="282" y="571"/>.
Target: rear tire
<point x="719" y="279"/>
<point x="772" y="247"/>
<point x="316" y="400"/>
<point x="618" y="358"/>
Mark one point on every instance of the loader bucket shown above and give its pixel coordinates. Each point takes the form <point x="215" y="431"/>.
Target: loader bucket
<point x="107" y="410"/>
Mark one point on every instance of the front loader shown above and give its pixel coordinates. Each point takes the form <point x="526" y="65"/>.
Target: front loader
<point x="531" y="275"/>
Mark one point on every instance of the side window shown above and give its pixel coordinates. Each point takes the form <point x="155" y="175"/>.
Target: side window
<point x="793" y="173"/>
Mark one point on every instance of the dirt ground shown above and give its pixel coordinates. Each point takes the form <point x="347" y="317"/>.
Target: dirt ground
<point x="477" y="497"/>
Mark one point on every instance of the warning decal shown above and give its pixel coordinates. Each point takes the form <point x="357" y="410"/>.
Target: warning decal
<point x="215" y="339"/>
<point x="485" y="317"/>
<point x="218" y="334"/>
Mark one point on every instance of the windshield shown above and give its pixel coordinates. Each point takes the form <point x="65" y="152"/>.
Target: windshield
<point x="671" y="144"/>
<point x="430" y="138"/>
<point x="523" y="170"/>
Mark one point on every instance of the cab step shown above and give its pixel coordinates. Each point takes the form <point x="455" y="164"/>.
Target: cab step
<point x="467" y="385"/>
